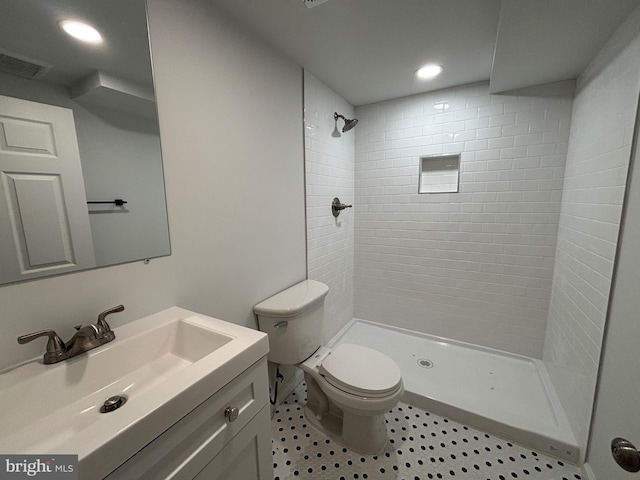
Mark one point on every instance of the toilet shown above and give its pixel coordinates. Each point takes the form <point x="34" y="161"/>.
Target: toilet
<point x="349" y="387"/>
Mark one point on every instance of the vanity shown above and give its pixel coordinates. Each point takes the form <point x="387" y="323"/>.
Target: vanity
<point x="175" y="395"/>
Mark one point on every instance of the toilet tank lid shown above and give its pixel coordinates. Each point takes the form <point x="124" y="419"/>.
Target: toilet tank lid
<point x="293" y="300"/>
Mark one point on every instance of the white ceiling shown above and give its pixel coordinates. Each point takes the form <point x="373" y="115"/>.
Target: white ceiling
<point x="546" y="41"/>
<point x="29" y="28"/>
<point x="368" y="50"/>
<point x="365" y="50"/>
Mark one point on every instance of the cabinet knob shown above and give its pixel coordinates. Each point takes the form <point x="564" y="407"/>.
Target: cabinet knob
<point x="231" y="413"/>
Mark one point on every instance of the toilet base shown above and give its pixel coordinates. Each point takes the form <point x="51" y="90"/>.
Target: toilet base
<point x="366" y="435"/>
<point x="362" y="433"/>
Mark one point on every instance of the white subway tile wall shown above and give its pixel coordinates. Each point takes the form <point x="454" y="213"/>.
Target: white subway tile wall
<point x="597" y="163"/>
<point x="476" y="265"/>
<point x="329" y="165"/>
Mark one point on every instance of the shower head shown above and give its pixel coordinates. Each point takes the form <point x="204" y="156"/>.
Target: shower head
<point x="348" y="124"/>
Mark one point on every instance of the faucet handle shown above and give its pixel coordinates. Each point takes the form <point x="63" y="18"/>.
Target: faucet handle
<point x="103" y="326"/>
<point x="55" y="345"/>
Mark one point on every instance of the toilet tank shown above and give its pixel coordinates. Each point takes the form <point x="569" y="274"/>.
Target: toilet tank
<point x="293" y="320"/>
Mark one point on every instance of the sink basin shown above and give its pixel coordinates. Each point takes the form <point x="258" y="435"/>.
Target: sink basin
<point x="164" y="365"/>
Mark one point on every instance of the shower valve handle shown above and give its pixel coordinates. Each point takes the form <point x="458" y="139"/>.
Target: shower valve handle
<point x="336" y="206"/>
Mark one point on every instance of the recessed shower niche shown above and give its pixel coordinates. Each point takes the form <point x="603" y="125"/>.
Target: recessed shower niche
<point x="439" y="174"/>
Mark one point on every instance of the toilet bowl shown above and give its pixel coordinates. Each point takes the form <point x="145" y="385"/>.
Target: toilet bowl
<point x="349" y="387"/>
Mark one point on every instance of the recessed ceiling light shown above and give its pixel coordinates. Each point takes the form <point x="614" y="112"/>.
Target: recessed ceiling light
<point x="429" y="71"/>
<point x="81" y="31"/>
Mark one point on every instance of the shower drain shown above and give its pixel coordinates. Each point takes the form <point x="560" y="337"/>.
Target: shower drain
<point x="425" y="363"/>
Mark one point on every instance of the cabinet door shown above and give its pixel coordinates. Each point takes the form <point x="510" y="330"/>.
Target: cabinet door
<point x="247" y="456"/>
<point x="188" y="446"/>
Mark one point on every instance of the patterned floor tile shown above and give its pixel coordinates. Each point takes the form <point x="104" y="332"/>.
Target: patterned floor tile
<point x="421" y="446"/>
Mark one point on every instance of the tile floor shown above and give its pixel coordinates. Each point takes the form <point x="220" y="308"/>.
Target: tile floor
<point x="421" y="446"/>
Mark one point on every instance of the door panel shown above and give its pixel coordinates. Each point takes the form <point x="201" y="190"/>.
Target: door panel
<point x="38" y="215"/>
<point x="44" y="220"/>
<point x="617" y="410"/>
<point x="22" y="136"/>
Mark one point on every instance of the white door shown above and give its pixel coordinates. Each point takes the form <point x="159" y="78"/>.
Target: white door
<point x="44" y="220"/>
<point x="617" y="411"/>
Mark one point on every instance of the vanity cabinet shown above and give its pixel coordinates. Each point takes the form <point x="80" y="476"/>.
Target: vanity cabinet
<point x="213" y="441"/>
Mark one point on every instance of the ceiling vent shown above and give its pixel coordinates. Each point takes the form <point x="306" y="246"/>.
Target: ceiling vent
<point x="314" y="3"/>
<point x="22" y="66"/>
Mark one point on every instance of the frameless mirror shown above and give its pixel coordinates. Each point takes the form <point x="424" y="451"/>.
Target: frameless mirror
<point x="78" y="125"/>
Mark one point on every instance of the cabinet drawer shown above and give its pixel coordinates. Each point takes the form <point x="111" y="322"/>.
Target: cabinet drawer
<point x="190" y="444"/>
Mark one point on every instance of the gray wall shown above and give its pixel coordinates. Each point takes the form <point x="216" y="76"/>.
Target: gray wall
<point x="230" y="120"/>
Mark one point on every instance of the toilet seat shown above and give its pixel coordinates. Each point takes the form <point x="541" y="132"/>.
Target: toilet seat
<point x="361" y="371"/>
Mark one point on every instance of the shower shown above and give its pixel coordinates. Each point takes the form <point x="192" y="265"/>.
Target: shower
<point x="348" y="124"/>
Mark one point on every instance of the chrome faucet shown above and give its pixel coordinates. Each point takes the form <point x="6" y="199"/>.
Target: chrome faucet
<point x="85" y="338"/>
